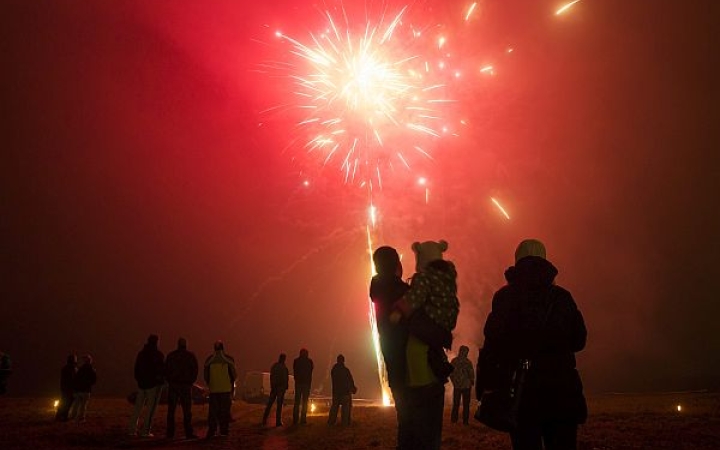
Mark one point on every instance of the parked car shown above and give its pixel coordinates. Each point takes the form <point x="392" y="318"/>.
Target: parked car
<point x="199" y="395"/>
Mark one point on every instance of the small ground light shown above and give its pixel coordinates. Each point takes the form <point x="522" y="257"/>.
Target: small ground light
<point x="679" y="408"/>
<point x="312" y="407"/>
<point x="56" y="403"/>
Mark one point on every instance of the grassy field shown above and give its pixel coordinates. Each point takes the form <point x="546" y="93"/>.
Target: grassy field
<point x="616" y="422"/>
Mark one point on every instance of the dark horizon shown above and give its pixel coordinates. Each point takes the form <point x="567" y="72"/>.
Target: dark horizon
<point x="140" y="195"/>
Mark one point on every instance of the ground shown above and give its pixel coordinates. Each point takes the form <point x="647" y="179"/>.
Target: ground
<point x="617" y="422"/>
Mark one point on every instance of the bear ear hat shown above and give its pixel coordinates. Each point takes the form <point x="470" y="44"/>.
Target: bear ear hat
<point x="416" y="247"/>
<point x="443" y="245"/>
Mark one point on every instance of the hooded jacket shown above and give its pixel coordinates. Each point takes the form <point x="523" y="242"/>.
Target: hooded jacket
<point x="85" y="378"/>
<point x="149" y="367"/>
<point x="181" y="367"/>
<point x="532" y="318"/>
<point x="220" y="373"/>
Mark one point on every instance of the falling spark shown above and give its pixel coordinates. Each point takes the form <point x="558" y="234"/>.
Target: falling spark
<point x="499" y="206"/>
<point x="470" y="11"/>
<point x="565" y="7"/>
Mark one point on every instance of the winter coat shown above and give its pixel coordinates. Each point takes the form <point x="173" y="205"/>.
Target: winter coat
<point x="181" y="367"/>
<point x="435" y="292"/>
<point x="342" y="381"/>
<point x="85" y="378"/>
<point x="149" y="367"/>
<point x="302" y="371"/>
<point x="279" y="377"/>
<point x="220" y="373"/>
<point x="67" y="376"/>
<point x="463" y="374"/>
<point x="532" y="318"/>
<point x="384" y="292"/>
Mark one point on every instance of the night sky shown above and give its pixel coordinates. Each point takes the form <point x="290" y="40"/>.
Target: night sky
<point x="140" y="194"/>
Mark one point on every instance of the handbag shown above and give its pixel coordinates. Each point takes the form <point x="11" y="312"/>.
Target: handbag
<point x="499" y="408"/>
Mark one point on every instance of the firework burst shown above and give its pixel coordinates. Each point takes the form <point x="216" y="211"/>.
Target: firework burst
<point x="372" y="99"/>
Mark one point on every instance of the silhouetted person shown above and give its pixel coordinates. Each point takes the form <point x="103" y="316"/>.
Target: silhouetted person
<point x="463" y="378"/>
<point x="149" y="370"/>
<point x="84" y="380"/>
<point x="302" y="370"/>
<point x="181" y="372"/>
<point x="67" y="375"/>
<point x="431" y="307"/>
<point x="220" y="375"/>
<point x="279" y="379"/>
<point x="532" y="318"/>
<point x="386" y="288"/>
<point x="343" y="388"/>
<point x="5" y="371"/>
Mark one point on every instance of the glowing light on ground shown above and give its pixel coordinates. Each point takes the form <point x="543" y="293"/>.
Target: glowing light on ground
<point x="500" y="207"/>
<point x="565" y="7"/>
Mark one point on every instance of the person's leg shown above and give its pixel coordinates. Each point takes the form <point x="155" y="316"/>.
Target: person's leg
<point x="455" y="405"/>
<point x="347" y="418"/>
<point x="140" y="399"/>
<point x="153" y="398"/>
<point x="403" y="431"/>
<point x="173" y="397"/>
<point x="278" y="408"/>
<point x="186" y="405"/>
<point x="224" y="419"/>
<point x="332" y="415"/>
<point x="84" y="398"/>
<point x="527" y="437"/>
<point x="437" y="408"/>
<point x="560" y="435"/>
<point x="213" y="406"/>
<point x="297" y="405"/>
<point x="75" y="406"/>
<point x="304" y="399"/>
<point x="268" y="407"/>
<point x="465" y="394"/>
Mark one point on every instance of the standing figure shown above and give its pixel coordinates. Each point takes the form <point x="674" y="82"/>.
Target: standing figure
<point x="343" y="388"/>
<point x="386" y="288"/>
<point x="220" y="375"/>
<point x="302" y="370"/>
<point x="85" y="379"/>
<point x="431" y="308"/>
<point x="536" y="320"/>
<point x="279" y="379"/>
<point x="67" y="376"/>
<point x="463" y="378"/>
<point x="149" y="370"/>
<point x="181" y="372"/>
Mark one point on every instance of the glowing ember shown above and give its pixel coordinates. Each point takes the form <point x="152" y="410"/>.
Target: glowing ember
<point x="500" y="207"/>
<point x="565" y="7"/>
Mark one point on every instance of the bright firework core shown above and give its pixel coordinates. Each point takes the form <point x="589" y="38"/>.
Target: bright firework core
<point x="371" y="100"/>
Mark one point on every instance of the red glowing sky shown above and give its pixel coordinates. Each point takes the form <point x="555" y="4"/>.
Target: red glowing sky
<point x="140" y="196"/>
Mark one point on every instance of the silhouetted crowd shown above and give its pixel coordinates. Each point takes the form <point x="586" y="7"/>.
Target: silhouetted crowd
<point x="525" y="379"/>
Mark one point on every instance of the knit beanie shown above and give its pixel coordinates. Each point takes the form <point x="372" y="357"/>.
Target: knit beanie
<point x="529" y="247"/>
